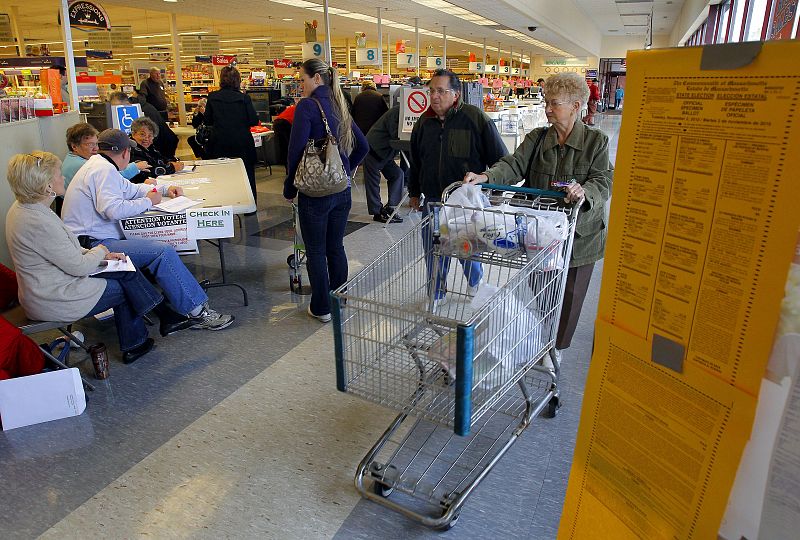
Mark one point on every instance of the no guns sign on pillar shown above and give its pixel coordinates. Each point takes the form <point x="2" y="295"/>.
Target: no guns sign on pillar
<point x="415" y="102"/>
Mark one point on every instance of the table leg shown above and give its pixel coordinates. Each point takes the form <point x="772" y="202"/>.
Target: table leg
<point x="206" y="284"/>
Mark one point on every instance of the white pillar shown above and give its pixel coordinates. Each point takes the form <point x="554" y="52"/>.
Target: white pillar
<point x="328" y="55"/>
<point x="347" y="46"/>
<point x="176" y="60"/>
<point x="498" y="59"/>
<point x="484" y="57"/>
<point x="388" y="54"/>
<point x="380" y="39"/>
<point x="69" y="56"/>
<point x="444" y="46"/>
<point x="416" y="33"/>
<point x="16" y="31"/>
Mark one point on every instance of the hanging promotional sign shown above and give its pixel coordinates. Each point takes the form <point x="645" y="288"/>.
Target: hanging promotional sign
<point x="223" y="59"/>
<point x="284" y="63"/>
<point x="560" y="61"/>
<point x="105" y="55"/>
<point x="88" y="16"/>
<point x="6" y="34"/>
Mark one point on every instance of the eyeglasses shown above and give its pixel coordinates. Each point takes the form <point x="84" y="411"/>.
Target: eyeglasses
<point x="554" y="103"/>
<point x="440" y="91"/>
<point x="37" y="158"/>
<point x="89" y="144"/>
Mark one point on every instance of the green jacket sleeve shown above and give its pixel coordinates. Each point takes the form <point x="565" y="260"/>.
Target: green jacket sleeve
<point x="599" y="180"/>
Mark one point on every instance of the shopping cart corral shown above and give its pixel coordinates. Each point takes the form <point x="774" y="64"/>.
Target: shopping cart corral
<point x="468" y="365"/>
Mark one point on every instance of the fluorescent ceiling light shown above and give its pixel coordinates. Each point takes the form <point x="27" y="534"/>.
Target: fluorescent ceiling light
<point x="287" y="19"/>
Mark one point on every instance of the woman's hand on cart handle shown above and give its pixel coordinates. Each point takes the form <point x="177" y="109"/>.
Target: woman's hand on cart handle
<point x="475" y="178"/>
<point x="574" y="192"/>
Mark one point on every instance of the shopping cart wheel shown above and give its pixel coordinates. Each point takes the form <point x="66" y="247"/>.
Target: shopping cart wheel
<point x="552" y="408"/>
<point x="451" y="524"/>
<point x="381" y="490"/>
<point x="291" y="260"/>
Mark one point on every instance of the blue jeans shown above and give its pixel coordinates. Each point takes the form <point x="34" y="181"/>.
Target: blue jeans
<point x="131" y="296"/>
<point x="473" y="270"/>
<point x="322" y="222"/>
<point x="179" y="285"/>
<point x="373" y="167"/>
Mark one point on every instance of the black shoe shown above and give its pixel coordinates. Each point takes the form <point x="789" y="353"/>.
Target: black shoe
<point x="383" y="216"/>
<point x="169" y="320"/>
<point x="170" y="327"/>
<point x="134" y="354"/>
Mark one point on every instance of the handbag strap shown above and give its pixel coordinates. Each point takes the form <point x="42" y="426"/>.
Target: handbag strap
<point x="324" y="118"/>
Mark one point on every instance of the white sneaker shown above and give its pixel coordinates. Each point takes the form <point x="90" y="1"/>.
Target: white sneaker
<point x="208" y="319"/>
<point x="321" y="318"/>
<point x="440" y="302"/>
<point x="472" y="290"/>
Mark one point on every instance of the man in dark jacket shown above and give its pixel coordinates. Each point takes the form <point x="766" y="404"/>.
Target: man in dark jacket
<point x="153" y="91"/>
<point x="449" y="140"/>
<point x="381" y="160"/>
<point x="368" y="106"/>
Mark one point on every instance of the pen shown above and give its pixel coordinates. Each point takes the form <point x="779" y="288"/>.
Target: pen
<point x="154" y="190"/>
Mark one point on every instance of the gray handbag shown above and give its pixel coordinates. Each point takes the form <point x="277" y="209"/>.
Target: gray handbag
<point x="321" y="171"/>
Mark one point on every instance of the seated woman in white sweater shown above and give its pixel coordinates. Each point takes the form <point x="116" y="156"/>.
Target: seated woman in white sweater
<point x="53" y="269"/>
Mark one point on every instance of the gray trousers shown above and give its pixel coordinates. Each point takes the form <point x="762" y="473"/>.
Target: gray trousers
<point x="373" y="167"/>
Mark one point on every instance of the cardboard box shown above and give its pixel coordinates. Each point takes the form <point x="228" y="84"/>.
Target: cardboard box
<point x="40" y="398"/>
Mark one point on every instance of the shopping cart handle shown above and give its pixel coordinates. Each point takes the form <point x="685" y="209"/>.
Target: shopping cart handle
<point x="525" y="190"/>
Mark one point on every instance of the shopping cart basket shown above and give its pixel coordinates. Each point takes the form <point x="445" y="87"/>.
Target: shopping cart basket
<point x="466" y="376"/>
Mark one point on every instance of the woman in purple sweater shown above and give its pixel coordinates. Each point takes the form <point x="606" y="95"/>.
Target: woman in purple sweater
<point x="323" y="219"/>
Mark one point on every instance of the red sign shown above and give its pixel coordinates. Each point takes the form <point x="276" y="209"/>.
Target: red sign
<point x="223" y="59"/>
<point x="417" y="102"/>
<point x="782" y="20"/>
<point x="282" y="64"/>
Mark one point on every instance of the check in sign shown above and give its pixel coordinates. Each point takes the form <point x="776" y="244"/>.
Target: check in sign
<point x="124" y="115"/>
<point x="207" y="223"/>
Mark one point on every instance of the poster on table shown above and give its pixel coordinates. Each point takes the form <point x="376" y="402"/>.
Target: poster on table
<point x="169" y="228"/>
<point x="701" y="234"/>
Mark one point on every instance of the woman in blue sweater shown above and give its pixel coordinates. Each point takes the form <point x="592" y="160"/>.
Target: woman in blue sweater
<point x="323" y="219"/>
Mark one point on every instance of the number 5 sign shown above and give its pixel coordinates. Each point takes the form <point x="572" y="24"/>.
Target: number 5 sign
<point x="313" y="49"/>
<point x="406" y="59"/>
<point x="367" y="57"/>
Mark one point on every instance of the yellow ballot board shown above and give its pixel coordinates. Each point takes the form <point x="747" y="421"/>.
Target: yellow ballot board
<point x="702" y="229"/>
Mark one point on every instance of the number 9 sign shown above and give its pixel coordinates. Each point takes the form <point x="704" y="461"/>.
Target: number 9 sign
<point x="317" y="49"/>
<point x="313" y="49"/>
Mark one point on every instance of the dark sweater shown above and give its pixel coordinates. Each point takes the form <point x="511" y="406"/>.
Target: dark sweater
<point x="368" y="106"/>
<point x="159" y="165"/>
<point x="232" y="114"/>
<point x="308" y="125"/>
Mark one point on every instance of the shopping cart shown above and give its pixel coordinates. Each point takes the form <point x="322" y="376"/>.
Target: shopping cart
<point x="297" y="259"/>
<point x="468" y="376"/>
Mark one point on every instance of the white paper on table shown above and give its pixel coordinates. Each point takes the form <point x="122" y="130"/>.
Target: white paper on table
<point x="41" y="398"/>
<point x="115" y="266"/>
<point x="181" y="182"/>
<point x="178" y="204"/>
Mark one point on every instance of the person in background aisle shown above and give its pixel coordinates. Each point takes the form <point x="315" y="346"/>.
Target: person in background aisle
<point x="152" y="88"/>
<point x="167" y="141"/>
<point x="368" y="106"/>
<point x="449" y="140"/>
<point x="380" y="159"/>
<point x="619" y="93"/>
<point x="323" y="219"/>
<point x="198" y="119"/>
<point x="53" y="269"/>
<point x="62" y="71"/>
<point x="144" y="131"/>
<point x="282" y="126"/>
<point x="82" y="144"/>
<point x="567" y="149"/>
<point x="230" y="114"/>
<point x="99" y="197"/>
<point x="591" y="104"/>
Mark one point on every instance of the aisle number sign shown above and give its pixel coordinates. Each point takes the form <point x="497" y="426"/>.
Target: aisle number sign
<point x="313" y="49"/>
<point x="434" y="62"/>
<point x="505" y="70"/>
<point x="491" y="69"/>
<point x="406" y="59"/>
<point x="515" y="71"/>
<point x="476" y="67"/>
<point x="368" y="57"/>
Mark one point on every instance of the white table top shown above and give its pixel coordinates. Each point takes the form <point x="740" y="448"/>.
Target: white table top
<point x="229" y="184"/>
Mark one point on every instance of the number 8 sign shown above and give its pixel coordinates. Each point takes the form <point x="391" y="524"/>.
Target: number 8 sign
<point x="367" y="57"/>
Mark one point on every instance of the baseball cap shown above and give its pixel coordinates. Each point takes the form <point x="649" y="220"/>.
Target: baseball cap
<point x="115" y="140"/>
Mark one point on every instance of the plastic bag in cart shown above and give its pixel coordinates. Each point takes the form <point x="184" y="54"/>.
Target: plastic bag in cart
<point x="461" y="204"/>
<point x="508" y="349"/>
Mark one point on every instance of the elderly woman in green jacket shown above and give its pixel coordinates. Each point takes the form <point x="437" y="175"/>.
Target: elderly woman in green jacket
<point x="567" y="152"/>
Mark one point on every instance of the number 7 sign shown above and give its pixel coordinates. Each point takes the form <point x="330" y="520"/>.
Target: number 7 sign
<point x="406" y="59"/>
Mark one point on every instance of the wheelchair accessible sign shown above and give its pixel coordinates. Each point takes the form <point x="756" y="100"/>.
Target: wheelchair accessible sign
<point x="122" y="116"/>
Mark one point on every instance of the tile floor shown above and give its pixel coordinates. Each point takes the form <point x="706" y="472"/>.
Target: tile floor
<point x="242" y="434"/>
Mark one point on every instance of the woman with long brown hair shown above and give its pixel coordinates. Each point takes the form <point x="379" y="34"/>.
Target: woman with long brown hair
<point x="323" y="219"/>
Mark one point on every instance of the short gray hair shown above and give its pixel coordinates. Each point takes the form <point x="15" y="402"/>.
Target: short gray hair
<point x="567" y="85"/>
<point x="29" y="174"/>
<point x="144" y="122"/>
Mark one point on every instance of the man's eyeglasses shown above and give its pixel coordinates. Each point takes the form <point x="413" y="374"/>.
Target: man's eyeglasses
<point x="440" y="91"/>
<point x="37" y="158"/>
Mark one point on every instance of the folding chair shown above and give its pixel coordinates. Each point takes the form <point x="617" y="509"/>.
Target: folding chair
<point x="17" y="317"/>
